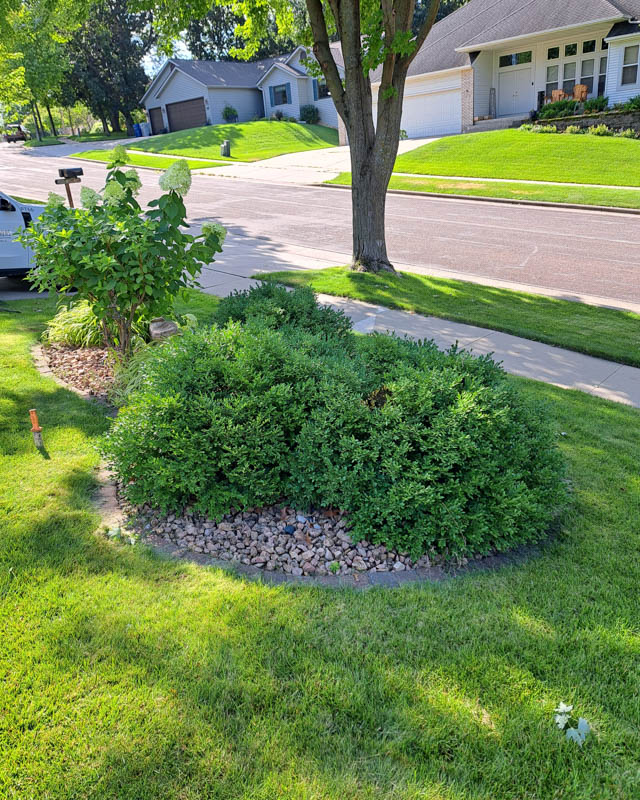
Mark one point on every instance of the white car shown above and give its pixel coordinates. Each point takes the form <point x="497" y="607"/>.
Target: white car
<point x="15" y="260"/>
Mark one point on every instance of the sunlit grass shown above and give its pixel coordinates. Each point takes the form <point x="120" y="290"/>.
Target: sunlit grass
<point x="250" y="141"/>
<point x="139" y="160"/>
<point x="529" y="156"/>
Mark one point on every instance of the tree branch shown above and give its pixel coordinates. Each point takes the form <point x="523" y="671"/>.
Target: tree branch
<point x="423" y="32"/>
<point x="324" y="56"/>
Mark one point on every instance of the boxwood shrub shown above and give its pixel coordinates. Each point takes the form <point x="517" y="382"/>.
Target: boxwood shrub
<point x="425" y="450"/>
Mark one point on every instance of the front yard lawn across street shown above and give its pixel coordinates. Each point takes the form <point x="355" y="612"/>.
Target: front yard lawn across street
<point x="141" y="160"/>
<point x="250" y="141"/>
<point x="521" y="155"/>
<point x="548" y="193"/>
<point x="602" y="332"/>
<point x="126" y="675"/>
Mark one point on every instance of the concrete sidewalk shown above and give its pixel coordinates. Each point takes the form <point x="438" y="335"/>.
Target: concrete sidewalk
<point x="305" y="168"/>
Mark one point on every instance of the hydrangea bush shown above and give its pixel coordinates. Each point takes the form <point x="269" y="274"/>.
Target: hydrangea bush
<point x="127" y="263"/>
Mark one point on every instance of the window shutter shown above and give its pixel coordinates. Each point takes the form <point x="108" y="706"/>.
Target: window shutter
<point x="315" y="89"/>
<point x="288" y="85"/>
<point x="272" y="99"/>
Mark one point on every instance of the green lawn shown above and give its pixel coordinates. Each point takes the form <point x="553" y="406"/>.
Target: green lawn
<point x="98" y="137"/>
<point x="157" y="162"/>
<point x="47" y="141"/>
<point x="529" y="156"/>
<point x="126" y="676"/>
<point x="616" y="198"/>
<point x="614" y="335"/>
<point x="250" y="141"/>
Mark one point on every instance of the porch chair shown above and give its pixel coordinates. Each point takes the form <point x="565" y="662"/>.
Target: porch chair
<point x="580" y="92"/>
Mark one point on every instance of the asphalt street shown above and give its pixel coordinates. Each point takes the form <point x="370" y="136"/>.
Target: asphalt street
<point x="574" y="252"/>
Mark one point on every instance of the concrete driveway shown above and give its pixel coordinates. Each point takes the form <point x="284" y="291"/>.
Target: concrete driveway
<point x="307" y="168"/>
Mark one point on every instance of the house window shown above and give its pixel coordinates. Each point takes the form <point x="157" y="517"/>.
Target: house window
<point x="630" y="68"/>
<point x="514" y="59"/>
<point x="552" y="79"/>
<point x="586" y="77"/>
<point x="569" y="77"/>
<point x="553" y="53"/>
<point x="571" y="49"/>
<point x="589" y="47"/>
<point x="323" y="89"/>
<point x="602" y="77"/>
<point x="280" y="95"/>
<point x="604" y="45"/>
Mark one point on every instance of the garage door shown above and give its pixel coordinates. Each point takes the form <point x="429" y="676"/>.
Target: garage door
<point x="155" y="118"/>
<point x="187" y="114"/>
<point x="432" y="114"/>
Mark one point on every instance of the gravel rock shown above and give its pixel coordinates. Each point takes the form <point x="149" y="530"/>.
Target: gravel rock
<point x="273" y="539"/>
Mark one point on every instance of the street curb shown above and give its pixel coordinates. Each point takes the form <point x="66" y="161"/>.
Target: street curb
<point x="503" y="200"/>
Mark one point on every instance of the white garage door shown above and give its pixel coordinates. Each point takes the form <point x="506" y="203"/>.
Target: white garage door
<point x="432" y="114"/>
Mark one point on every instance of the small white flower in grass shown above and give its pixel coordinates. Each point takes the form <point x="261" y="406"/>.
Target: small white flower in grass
<point x="209" y="228"/>
<point x="133" y="180"/>
<point x="89" y="198"/>
<point x="54" y="200"/>
<point x="113" y="193"/>
<point x="177" y="178"/>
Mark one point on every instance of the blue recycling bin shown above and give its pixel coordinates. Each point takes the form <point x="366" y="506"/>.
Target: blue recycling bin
<point x="137" y="129"/>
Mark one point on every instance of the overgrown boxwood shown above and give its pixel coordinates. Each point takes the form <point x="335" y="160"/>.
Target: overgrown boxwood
<point x="424" y="449"/>
<point x="279" y="307"/>
<point x="561" y="108"/>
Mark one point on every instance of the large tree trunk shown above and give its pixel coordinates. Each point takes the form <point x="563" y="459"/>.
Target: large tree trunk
<point x="40" y="119"/>
<point x="53" y="124"/>
<point x="114" y="117"/>
<point x="35" y="122"/>
<point x="103" y="120"/>
<point x="373" y="146"/>
<point x="129" y="122"/>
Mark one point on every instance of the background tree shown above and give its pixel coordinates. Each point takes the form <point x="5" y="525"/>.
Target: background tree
<point x="106" y="55"/>
<point x="446" y="7"/>
<point x="376" y="36"/>
<point x="215" y="38"/>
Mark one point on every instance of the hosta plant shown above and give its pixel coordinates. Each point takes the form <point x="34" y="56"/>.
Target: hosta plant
<point x="125" y="262"/>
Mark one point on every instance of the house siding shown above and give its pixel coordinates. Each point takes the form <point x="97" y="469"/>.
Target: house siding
<point x="247" y="102"/>
<point x="178" y="87"/>
<point x="482" y="83"/>
<point x="615" y="91"/>
<point x="277" y="78"/>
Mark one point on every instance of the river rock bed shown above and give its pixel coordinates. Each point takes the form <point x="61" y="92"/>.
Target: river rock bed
<point x="87" y="369"/>
<point x="276" y="539"/>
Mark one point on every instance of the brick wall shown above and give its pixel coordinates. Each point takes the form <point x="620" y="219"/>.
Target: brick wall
<point x="467" y="100"/>
<point x="617" y="120"/>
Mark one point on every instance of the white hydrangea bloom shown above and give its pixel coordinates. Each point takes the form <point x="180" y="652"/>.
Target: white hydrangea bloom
<point x="177" y="178"/>
<point x="54" y="200"/>
<point x="89" y="197"/>
<point x="209" y="228"/>
<point x="113" y="193"/>
<point x="133" y="180"/>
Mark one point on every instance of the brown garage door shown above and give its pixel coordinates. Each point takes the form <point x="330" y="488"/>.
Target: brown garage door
<point x="187" y="114"/>
<point x="155" y="117"/>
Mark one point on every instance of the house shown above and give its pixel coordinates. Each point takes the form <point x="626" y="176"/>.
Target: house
<point x="502" y="58"/>
<point x="188" y="94"/>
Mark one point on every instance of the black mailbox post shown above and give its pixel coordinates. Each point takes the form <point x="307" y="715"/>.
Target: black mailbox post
<point x="69" y="175"/>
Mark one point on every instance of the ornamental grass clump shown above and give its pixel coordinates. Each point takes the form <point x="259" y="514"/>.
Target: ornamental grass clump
<point x="126" y="263"/>
<point x="426" y="451"/>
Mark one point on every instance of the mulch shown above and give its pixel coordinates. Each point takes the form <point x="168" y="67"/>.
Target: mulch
<point x="87" y="369"/>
